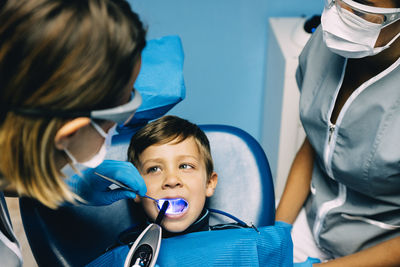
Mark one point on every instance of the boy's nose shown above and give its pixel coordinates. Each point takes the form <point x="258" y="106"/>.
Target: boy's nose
<point x="172" y="181"/>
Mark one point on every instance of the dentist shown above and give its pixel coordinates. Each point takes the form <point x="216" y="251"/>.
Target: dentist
<point x="345" y="179"/>
<point x="67" y="70"/>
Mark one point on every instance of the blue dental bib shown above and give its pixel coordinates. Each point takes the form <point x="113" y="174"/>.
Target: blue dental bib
<point x="270" y="246"/>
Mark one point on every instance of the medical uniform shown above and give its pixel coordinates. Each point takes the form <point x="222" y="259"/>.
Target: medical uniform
<point x="10" y="253"/>
<point x="355" y="188"/>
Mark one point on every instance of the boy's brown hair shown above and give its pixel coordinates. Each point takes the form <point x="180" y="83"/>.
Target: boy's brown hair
<point x="165" y="130"/>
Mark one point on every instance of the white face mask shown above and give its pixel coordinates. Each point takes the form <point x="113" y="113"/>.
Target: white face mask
<point x="349" y="35"/>
<point x="97" y="159"/>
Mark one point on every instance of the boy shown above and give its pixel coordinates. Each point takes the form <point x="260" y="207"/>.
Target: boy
<point x="173" y="156"/>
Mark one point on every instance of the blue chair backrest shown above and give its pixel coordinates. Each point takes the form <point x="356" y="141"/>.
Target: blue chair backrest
<point x="245" y="187"/>
<point x="76" y="235"/>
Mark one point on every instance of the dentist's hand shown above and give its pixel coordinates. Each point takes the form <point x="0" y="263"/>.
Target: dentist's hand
<point x="95" y="190"/>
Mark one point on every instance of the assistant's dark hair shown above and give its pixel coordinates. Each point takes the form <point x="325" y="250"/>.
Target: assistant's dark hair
<point x="58" y="55"/>
<point x="165" y="130"/>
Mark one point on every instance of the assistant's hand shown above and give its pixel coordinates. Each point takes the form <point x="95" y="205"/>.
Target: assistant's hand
<point x="308" y="263"/>
<point x="95" y="190"/>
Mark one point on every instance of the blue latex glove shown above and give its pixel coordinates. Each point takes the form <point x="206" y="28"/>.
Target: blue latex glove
<point x="95" y="190"/>
<point x="308" y="263"/>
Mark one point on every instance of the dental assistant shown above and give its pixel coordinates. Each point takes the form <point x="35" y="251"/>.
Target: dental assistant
<point x="346" y="176"/>
<point x="67" y="70"/>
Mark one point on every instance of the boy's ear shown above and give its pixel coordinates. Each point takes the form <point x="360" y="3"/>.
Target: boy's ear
<point x="211" y="184"/>
<point x="64" y="134"/>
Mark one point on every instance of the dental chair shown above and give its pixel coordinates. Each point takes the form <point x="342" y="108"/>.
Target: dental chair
<point x="76" y="235"/>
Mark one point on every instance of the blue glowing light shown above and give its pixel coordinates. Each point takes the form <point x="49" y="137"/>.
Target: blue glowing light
<point x="176" y="205"/>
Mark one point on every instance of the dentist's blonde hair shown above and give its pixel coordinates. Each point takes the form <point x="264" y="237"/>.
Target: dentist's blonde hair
<point x="58" y="55"/>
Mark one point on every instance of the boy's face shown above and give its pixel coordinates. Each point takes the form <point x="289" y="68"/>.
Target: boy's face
<point x="176" y="171"/>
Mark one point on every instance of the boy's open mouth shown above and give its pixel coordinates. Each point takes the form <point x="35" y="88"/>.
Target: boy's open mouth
<point x="176" y="205"/>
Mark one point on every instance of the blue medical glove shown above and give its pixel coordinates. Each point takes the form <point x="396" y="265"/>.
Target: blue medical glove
<point x="95" y="190"/>
<point x="308" y="263"/>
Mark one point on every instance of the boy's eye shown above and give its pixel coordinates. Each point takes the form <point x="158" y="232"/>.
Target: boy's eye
<point x="185" y="166"/>
<point x="152" y="169"/>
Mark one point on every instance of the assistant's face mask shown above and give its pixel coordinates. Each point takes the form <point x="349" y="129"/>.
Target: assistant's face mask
<point x="349" y="35"/>
<point x="97" y="159"/>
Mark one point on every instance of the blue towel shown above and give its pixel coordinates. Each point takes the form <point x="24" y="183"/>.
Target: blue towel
<point x="271" y="246"/>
